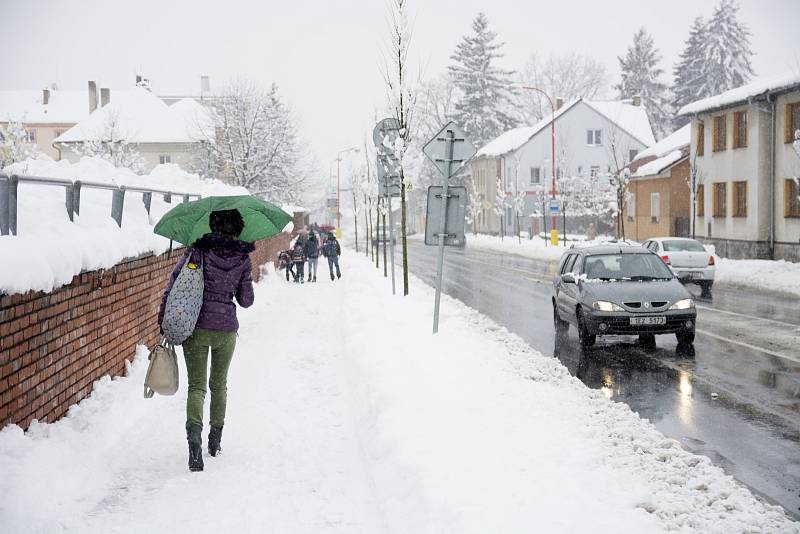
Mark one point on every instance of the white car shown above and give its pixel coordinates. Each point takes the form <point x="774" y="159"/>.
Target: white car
<point x="688" y="259"/>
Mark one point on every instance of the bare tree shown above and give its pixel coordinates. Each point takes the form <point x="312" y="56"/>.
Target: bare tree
<point x="499" y="205"/>
<point x="111" y="143"/>
<point x="619" y="176"/>
<point x="402" y="100"/>
<point x="15" y="144"/>
<point x="253" y="142"/>
<point x="569" y="76"/>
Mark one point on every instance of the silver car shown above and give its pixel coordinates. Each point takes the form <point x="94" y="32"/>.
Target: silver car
<point x="687" y="258"/>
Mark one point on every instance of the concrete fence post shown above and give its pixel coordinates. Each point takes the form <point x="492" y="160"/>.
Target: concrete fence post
<point x="147" y="199"/>
<point x="69" y="201"/>
<point x="168" y="197"/>
<point x="4" y="192"/>
<point x="13" y="183"/>
<point x="117" y="204"/>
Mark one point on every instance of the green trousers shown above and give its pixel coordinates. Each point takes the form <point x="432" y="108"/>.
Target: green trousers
<point x="195" y="350"/>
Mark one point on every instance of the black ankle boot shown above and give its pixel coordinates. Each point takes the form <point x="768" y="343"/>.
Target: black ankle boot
<point x="194" y="435"/>
<point x="215" y="440"/>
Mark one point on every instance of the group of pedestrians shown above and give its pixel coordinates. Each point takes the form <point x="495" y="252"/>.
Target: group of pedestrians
<point x="307" y="249"/>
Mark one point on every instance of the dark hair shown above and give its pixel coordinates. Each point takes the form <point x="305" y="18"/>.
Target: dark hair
<point x="226" y="222"/>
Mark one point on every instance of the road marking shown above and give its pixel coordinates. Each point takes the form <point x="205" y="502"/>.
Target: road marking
<point x="748" y="345"/>
<point x="748" y="316"/>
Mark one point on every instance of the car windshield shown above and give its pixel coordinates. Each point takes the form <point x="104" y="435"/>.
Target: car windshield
<point x="626" y="267"/>
<point x="682" y="245"/>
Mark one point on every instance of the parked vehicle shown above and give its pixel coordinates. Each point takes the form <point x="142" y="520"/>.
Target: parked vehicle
<point x="687" y="258"/>
<point x="620" y="289"/>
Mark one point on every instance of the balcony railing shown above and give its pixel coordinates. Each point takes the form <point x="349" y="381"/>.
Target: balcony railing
<point x="9" y="194"/>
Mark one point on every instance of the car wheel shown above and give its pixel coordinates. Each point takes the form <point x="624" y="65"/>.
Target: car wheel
<point x="561" y="327"/>
<point x="686" y="337"/>
<point x="586" y="339"/>
<point x="705" y="289"/>
<point x="647" y="340"/>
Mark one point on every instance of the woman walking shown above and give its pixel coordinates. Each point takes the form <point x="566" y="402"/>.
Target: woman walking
<point x="226" y="273"/>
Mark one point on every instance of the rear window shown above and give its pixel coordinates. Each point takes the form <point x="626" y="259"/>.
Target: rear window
<point x="682" y="245"/>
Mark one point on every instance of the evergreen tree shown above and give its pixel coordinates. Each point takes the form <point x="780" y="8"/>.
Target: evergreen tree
<point x="641" y="76"/>
<point x="689" y="71"/>
<point x="485" y="107"/>
<point x="726" y="52"/>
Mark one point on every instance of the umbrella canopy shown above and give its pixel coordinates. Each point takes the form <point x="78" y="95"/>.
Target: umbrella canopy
<point x="188" y="222"/>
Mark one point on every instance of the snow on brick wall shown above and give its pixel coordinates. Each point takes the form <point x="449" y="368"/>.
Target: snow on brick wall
<point x="54" y="346"/>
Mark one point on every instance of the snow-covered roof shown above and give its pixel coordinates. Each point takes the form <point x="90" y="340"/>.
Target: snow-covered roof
<point x="289" y="208"/>
<point x="197" y="118"/>
<point x="632" y="119"/>
<point x="139" y="117"/>
<point x="67" y="107"/>
<point x="787" y="80"/>
<point x="674" y="141"/>
<point x="658" y="165"/>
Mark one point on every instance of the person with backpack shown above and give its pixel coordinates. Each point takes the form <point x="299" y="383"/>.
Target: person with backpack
<point x="299" y="261"/>
<point x="312" y="255"/>
<point x="332" y="251"/>
<point x="226" y="265"/>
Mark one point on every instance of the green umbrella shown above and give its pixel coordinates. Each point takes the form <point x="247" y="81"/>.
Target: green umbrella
<point x="188" y="222"/>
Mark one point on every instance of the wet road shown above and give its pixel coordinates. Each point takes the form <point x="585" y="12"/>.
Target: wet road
<point x="734" y="398"/>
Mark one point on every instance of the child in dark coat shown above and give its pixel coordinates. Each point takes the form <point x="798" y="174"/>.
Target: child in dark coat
<point x="285" y="262"/>
<point x="299" y="261"/>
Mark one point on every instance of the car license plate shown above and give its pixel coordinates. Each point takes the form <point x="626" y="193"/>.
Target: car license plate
<point x="691" y="276"/>
<point x="638" y="321"/>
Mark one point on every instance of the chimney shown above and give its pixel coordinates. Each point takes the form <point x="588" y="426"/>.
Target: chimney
<point x="45" y="96"/>
<point x="105" y="96"/>
<point x="92" y="96"/>
<point x="559" y="102"/>
<point x="637" y="100"/>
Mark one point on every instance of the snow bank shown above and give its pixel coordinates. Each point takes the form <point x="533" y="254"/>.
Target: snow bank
<point x="358" y="428"/>
<point x="537" y="249"/>
<point x="760" y="274"/>
<point x="50" y="249"/>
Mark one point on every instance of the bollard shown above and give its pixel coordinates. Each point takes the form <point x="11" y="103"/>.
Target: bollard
<point x="117" y="204"/>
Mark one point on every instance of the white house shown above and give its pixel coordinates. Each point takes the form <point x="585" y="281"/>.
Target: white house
<point x="592" y="140"/>
<point x="158" y="132"/>
<point x="747" y="200"/>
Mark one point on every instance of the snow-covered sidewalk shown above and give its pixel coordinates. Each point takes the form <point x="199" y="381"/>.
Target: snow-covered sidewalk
<point x="346" y="415"/>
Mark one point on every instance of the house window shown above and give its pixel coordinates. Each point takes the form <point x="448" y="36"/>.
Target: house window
<point x="536" y="175"/>
<point x="701" y="138"/>
<point x="30" y="136"/>
<point x="700" y="200"/>
<point x="593" y="138"/>
<point x="740" y="129"/>
<point x="632" y="154"/>
<point x="792" y="120"/>
<point x="594" y="171"/>
<point x="740" y="199"/>
<point x="655" y="207"/>
<point x="720" y="199"/>
<point x="720" y="139"/>
<point x="164" y="159"/>
<point x="791" y="198"/>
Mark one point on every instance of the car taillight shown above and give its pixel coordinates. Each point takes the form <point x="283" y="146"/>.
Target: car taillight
<point x="666" y="259"/>
<point x="711" y="260"/>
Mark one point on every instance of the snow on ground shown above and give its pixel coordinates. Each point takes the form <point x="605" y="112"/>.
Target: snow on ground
<point x="49" y="249"/>
<point x="758" y="274"/>
<point x="346" y="415"/>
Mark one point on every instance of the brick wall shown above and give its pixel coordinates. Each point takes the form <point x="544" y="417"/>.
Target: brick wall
<point x="53" y="346"/>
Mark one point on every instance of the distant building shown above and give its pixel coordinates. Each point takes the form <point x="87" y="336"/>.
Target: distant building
<point x="158" y="132"/>
<point x="592" y="138"/>
<point x="659" y="196"/>
<point x="747" y="201"/>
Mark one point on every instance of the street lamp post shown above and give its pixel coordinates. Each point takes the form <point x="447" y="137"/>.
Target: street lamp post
<point x="338" y="190"/>
<point x="554" y="217"/>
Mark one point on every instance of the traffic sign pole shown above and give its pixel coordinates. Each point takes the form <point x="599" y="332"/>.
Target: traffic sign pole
<point x="391" y="240"/>
<point x="450" y="140"/>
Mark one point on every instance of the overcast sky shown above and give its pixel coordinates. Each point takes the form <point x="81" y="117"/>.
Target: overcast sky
<point x="325" y="55"/>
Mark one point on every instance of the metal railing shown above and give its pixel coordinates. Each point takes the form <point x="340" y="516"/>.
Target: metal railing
<point x="9" y="194"/>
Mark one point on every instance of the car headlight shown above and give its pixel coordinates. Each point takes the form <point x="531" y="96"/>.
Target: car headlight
<point x="601" y="305"/>
<point x="684" y="304"/>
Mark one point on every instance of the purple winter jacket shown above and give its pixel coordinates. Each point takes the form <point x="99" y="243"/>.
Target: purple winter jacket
<point x="226" y="271"/>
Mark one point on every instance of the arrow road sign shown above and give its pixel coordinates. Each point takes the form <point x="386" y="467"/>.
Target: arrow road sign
<point x="437" y="149"/>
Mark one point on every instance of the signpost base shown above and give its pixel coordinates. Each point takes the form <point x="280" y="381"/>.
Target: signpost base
<point x="554" y="237"/>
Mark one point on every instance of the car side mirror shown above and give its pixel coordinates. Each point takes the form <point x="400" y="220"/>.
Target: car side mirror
<point x="568" y="278"/>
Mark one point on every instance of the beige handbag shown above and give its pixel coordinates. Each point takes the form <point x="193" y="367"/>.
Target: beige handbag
<point x="162" y="373"/>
